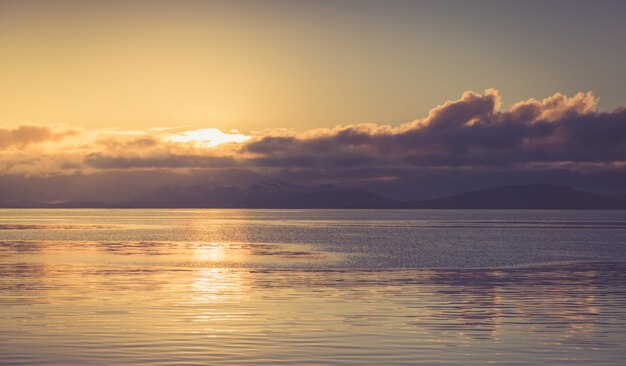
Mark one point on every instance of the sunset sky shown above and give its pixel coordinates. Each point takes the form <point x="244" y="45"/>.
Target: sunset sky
<point x="408" y="99"/>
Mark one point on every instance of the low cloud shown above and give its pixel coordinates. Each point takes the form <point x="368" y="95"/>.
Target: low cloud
<point x="468" y="132"/>
<point x="559" y="138"/>
<point x="172" y="161"/>
<point x="23" y="136"/>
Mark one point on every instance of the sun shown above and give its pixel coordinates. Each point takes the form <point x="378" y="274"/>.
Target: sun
<point x="209" y="137"/>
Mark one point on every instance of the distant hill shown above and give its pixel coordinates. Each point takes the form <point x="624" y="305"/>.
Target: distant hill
<point x="268" y="194"/>
<point x="532" y="196"/>
<point x="278" y="194"/>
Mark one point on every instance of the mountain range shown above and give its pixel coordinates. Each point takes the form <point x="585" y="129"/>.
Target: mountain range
<point x="531" y="196"/>
<point x="278" y="194"/>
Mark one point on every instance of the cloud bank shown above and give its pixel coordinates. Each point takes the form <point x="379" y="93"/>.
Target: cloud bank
<point x="556" y="137"/>
<point x="468" y="132"/>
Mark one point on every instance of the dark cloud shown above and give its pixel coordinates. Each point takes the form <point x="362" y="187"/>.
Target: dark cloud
<point x="471" y="132"/>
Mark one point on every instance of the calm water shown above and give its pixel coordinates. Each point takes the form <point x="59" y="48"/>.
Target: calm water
<point x="184" y="287"/>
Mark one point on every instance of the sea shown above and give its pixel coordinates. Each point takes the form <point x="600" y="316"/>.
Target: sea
<point x="312" y="287"/>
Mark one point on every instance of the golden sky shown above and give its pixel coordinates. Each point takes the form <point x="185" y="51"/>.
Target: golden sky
<point x="298" y="65"/>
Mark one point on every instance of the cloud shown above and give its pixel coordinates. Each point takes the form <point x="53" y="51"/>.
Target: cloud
<point x="469" y="132"/>
<point x="23" y="136"/>
<point x="562" y="139"/>
<point x="173" y="161"/>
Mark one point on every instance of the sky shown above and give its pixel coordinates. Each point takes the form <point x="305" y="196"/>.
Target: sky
<point x="411" y="99"/>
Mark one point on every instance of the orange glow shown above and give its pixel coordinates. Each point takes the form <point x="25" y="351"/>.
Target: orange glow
<point x="209" y="137"/>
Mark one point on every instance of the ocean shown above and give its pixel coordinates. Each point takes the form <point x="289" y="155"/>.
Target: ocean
<point x="312" y="287"/>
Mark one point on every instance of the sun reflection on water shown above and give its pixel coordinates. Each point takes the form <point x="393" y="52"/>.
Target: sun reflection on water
<point x="213" y="284"/>
<point x="213" y="252"/>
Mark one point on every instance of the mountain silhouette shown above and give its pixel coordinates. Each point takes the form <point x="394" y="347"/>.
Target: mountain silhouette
<point x="267" y="194"/>
<point x="531" y="196"/>
<point x="278" y="194"/>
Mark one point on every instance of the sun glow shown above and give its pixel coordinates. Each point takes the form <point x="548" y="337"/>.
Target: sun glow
<point x="209" y="137"/>
<point x="215" y="252"/>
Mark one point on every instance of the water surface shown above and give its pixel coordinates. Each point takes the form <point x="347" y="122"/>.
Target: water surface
<point x="172" y="287"/>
